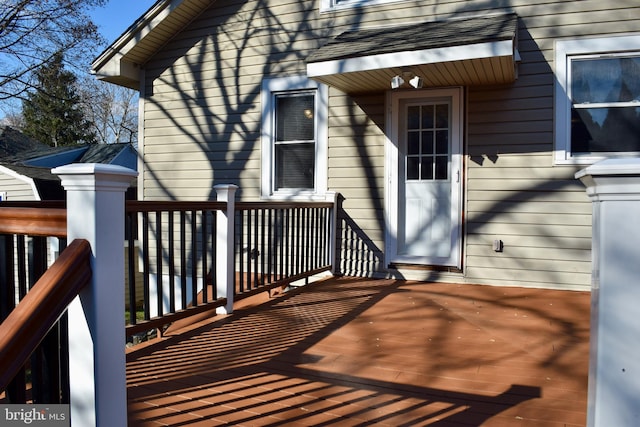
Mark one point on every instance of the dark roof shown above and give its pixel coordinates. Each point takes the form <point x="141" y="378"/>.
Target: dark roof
<point x="81" y="153"/>
<point x="36" y="163"/>
<point x="414" y="37"/>
<point x="35" y="172"/>
<point x="102" y="153"/>
<point x="13" y="142"/>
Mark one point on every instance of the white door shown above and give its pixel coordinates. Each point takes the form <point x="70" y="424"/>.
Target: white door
<point x="425" y="174"/>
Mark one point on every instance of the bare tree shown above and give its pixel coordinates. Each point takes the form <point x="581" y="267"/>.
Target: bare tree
<point x="33" y="31"/>
<point x="112" y="109"/>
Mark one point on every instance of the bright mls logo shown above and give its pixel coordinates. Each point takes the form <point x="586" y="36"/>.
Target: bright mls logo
<point x="36" y="415"/>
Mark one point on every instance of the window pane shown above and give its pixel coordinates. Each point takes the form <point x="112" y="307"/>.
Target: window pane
<point x="295" y="118"/>
<point x="413" y="118"/>
<point x="605" y="80"/>
<point x="442" y="164"/>
<point x="442" y="142"/>
<point x="413" y="143"/>
<point x="442" y="116"/>
<point x="413" y="171"/>
<point x="427" y="167"/>
<point x="427" y="116"/>
<point x="295" y="165"/>
<point x="609" y="129"/>
<point x="427" y="142"/>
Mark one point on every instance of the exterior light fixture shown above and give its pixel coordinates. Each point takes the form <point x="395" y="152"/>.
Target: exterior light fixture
<point x="396" y="82"/>
<point x="416" y="82"/>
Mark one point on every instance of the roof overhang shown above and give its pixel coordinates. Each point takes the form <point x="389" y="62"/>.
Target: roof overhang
<point x="471" y="51"/>
<point x="121" y="62"/>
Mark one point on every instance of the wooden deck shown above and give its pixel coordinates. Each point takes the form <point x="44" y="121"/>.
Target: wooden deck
<point x="356" y="352"/>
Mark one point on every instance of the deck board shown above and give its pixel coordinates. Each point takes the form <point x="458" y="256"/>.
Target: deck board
<point x="356" y="352"/>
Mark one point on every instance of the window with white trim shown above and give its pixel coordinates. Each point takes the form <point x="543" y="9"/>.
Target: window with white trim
<point x="294" y="138"/>
<point x="597" y="99"/>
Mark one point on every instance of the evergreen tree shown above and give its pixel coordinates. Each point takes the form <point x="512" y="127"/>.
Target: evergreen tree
<point x="53" y="113"/>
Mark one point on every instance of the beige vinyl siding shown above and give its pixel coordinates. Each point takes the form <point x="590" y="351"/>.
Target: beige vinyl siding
<point x="16" y="189"/>
<point x="356" y="171"/>
<point x="202" y="124"/>
<point x="514" y="192"/>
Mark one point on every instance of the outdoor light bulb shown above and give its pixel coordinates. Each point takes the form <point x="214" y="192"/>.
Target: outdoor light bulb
<point x="396" y="82"/>
<point x="416" y="82"/>
<point x="308" y="113"/>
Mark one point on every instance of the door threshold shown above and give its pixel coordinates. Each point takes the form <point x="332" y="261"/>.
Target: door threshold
<point x="423" y="267"/>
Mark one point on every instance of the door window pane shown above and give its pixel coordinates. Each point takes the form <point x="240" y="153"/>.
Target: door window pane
<point x="413" y="117"/>
<point x="413" y="168"/>
<point x="413" y="143"/>
<point x="442" y="142"/>
<point x="427" y="116"/>
<point x="442" y="116"/>
<point x="427" y="142"/>
<point x="442" y="167"/>
<point x="427" y="168"/>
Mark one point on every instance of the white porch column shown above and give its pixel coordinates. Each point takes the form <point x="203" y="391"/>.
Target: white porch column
<point x="95" y="212"/>
<point x="614" y="360"/>
<point x="225" y="269"/>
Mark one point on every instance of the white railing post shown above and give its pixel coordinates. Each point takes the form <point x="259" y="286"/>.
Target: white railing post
<point x="225" y="270"/>
<point x="332" y="196"/>
<point x="614" y="365"/>
<point x="95" y="212"/>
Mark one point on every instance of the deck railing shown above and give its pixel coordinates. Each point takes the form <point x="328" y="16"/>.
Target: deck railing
<point x="195" y="257"/>
<point x="33" y="336"/>
<point x="30" y="238"/>
<point x="191" y="258"/>
<point x="278" y="243"/>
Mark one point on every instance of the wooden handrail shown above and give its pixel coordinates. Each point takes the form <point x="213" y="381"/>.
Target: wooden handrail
<point x="172" y="205"/>
<point x="29" y="322"/>
<point x="244" y="206"/>
<point x="33" y="221"/>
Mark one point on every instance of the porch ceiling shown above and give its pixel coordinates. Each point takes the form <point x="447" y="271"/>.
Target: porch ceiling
<point x="471" y="51"/>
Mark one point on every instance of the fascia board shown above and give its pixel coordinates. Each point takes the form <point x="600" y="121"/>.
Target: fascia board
<point x="410" y="58"/>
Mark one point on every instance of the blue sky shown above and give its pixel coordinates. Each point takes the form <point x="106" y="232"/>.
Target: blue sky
<point x="117" y="15"/>
<point x="112" y="20"/>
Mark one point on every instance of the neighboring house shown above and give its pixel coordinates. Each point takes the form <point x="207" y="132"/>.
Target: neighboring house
<point x="25" y="170"/>
<point x="25" y="164"/>
<point x="452" y="130"/>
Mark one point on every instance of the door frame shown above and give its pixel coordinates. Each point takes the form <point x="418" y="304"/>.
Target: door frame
<point x="392" y="179"/>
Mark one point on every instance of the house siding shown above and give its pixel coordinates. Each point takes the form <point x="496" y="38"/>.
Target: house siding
<point x="202" y="127"/>
<point x="16" y="189"/>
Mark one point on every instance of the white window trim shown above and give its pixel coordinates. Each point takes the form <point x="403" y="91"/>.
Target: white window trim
<point x="271" y="88"/>
<point x="564" y="50"/>
<point x="327" y="5"/>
